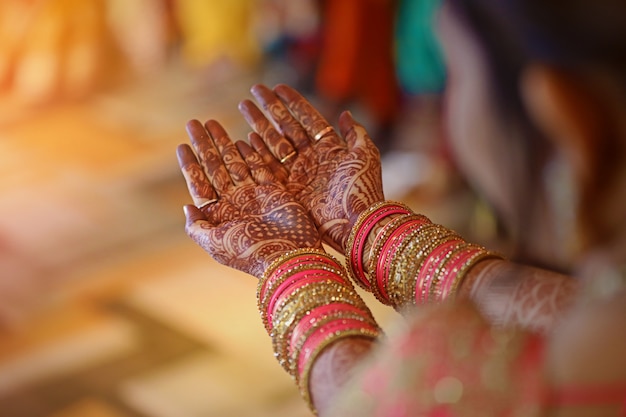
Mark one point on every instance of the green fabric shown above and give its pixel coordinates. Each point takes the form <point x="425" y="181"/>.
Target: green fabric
<point x="419" y="61"/>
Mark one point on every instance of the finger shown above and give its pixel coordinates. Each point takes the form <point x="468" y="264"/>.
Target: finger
<point x="209" y="156"/>
<point x="353" y="132"/>
<point x="198" y="184"/>
<point x="197" y="226"/>
<point x="276" y="143"/>
<point x="316" y="126"/>
<point x="280" y="172"/>
<point x="277" y="110"/>
<point x="260" y="171"/>
<point x="234" y="163"/>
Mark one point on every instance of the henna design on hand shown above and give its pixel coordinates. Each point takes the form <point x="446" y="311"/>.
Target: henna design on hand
<point x="335" y="178"/>
<point x="255" y="218"/>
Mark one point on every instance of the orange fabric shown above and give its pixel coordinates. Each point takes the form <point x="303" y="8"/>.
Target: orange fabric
<point x="356" y="58"/>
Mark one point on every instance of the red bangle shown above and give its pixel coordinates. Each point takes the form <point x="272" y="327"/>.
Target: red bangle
<point x="332" y="328"/>
<point x="387" y="253"/>
<point x="305" y="259"/>
<point x="364" y="227"/>
<point x="425" y="275"/>
<point x="318" y="313"/>
<point x="296" y="281"/>
<point x="451" y="271"/>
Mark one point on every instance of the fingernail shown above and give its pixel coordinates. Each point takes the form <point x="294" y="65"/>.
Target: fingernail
<point x="186" y="211"/>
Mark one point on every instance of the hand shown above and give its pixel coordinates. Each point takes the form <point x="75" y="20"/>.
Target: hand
<point x="334" y="177"/>
<point x="246" y="217"/>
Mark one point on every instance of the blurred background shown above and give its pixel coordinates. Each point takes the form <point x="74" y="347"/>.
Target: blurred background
<point x="107" y="309"/>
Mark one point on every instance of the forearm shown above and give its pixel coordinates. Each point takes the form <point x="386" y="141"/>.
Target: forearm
<point x="507" y="293"/>
<point x="511" y="294"/>
<point x="334" y="367"/>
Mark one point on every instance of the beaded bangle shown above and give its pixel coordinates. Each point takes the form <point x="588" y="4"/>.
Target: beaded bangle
<point x="408" y="259"/>
<point x="307" y="299"/>
<point x="449" y="271"/>
<point x="426" y="275"/>
<point x="297" y="280"/>
<point x="439" y="272"/>
<point x="381" y="258"/>
<point x="358" y="236"/>
<point x="288" y="259"/>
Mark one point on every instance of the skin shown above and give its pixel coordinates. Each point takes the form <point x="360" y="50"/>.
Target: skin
<point x="334" y="178"/>
<point x="255" y="218"/>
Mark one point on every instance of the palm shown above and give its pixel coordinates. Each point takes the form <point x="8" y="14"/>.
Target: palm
<point x="247" y="218"/>
<point x="335" y="178"/>
<point x="250" y="224"/>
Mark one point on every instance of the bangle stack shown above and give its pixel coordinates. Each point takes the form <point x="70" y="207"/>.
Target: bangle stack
<point x="411" y="260"/>
<point x="307" y="303"/>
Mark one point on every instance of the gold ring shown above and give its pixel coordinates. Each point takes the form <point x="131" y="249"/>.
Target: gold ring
<point x="207" y="203"/>
<point x="287" y="157"/>
<point x="323" y="133"/>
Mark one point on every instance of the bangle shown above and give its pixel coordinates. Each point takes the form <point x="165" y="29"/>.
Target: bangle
<point x="359" y="233"/>
<point x="426" y="275"/>
<point x="288" y="259"/>
<point x="385" y="248"/>
<point x="407" y="261"/>
<point x="307" y="302"/>
<point x="328" y="340"/>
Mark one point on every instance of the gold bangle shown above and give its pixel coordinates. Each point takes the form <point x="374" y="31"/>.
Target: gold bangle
<point x="269" y="291"/>
<point x="307" y="299"/>
<point x="294" y="355"/>
<point x="356" y="227"/>
<point x="408" y="260"/>
<point x="377" y="248"/>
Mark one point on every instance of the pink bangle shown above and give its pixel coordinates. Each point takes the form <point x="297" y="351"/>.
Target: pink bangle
<point x="332" y="328"/>
<point x="451" y="271"/>
<point x="296" y="281"/>
<point x="306" y="259"/>
<point x="425" y="275"/>
<point x="363" y="229"/>
<point x="388" y="251"/>
<point x="318" y="313"/>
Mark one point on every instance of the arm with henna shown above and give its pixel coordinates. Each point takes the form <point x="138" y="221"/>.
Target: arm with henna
<point x="246" y="220"/>
<point x="336" y="179"/>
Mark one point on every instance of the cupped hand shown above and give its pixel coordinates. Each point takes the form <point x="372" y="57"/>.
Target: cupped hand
<point x="243" y="216"/>
<point x="335" y="177"/>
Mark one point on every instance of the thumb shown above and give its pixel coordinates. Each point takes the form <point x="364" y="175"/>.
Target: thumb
<point x="352" y="131"/>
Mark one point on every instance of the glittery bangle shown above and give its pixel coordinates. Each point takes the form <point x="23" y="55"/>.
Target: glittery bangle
<point x="291" y="264"/>
<point x="449" y="272"/>
<point x="296" y="309"/>
<point x="358" y="235"/>
<point x="408" y="259"/>
<point x="306" y="253"/>
<point x="381" y="262"/>
<point x="295" y="281"/>
<point x="426" y="275"/>
<point x="440" y="272"/>
<point x="276" y="263"/>
<point x="316" y="315"/>
<point x="299" y="343"/>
